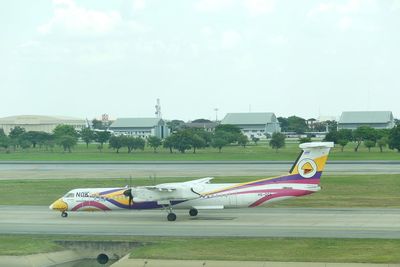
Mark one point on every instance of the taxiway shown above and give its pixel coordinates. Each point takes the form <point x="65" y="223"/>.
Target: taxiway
<point x="257" y="222"/>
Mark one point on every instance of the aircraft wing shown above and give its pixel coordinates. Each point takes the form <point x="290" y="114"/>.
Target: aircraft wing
<point x="161" y="188"/>
<point x="169" y="187"/>
<point x="205" y="180"/>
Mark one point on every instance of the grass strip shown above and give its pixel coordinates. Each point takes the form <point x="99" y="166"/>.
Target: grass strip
<point x="240" y="249"/>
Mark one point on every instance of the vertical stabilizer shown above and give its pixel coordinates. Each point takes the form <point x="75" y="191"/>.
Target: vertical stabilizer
<point x="312" y="160"/>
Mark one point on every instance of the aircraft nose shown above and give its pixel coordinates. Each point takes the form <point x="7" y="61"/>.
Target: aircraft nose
<point x="59" y="205"/>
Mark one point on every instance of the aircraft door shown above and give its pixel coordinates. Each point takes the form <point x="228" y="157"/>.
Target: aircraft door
<point x="233" y="201"/>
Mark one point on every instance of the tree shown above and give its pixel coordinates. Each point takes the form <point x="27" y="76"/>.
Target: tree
<point x="342" y="143"/>
<point x="201" y="121"/>
<point x="284" y="123"/>
<point x="277" y="141"/>
<point x="332" y="125"/>
<point x="139" y="143"/>
<point x="206" y="136"/>
<point x="382" y="142"/>
<point x="67" y="142"/>
<point x="63" y="129"/>
<point x="15" y="135"/>
<point x="229" y="128"/>
<point x="116" y="142"/>
<point x="219" y="142"/>
<point x="5" y="141"/>
<point x="87" y="135"/>
<point x="363" y="133"/>
<point x="154" y="142"/>
<point x="97" y="124"/>
<point x="394" y="138"/>
<point x="102" y="137"/>
<point x="230" y="132"/>
<point x="369" y="144"/>
<point x="65" y="136"/>
<point x="24" y="143"/>
<point x="243" y="140"/>
<point x="297" y="124"/>
<point x="332" y="136"/>
<point x="129" y="142"/>
<point x="16" y="132"/>
<point x="197" y="142"/>
<point x="320" y="126"/>
<point x="36" y="137"/>
<point x="183" y="140"/>
<point x="175" y="125"/>
<point x="169" y="142"/>
<point x="255" y="140"/>
<point x="304" y="140"/>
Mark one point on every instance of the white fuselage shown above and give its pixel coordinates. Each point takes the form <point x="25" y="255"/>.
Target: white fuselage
<point x="225" y="196"/>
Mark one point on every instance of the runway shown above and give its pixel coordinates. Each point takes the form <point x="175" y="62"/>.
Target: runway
<point x="257" y="222"/>
<point x="58" y="170"/>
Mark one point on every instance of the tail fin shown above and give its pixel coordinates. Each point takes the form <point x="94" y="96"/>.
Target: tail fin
<point x="312" y="159"/>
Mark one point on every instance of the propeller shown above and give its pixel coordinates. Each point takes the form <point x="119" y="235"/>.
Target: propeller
<point x="128" y="193"/>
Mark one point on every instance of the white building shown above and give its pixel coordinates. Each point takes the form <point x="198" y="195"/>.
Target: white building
<point x="375" y="119"/>
<point x="39" y="123"/>
<point x="254" y="124"/>
<point x="140" y="127"/>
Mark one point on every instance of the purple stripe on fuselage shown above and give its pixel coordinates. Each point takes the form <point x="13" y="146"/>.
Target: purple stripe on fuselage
<point x="142" y="205"/>
<point x="110" y="191"/>
<point x="90" y="204"/>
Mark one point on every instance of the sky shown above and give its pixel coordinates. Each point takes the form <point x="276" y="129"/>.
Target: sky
<point x="83" y="58"/>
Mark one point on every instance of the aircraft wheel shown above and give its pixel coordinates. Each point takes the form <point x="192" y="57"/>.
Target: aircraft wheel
<point x="64" y="214"/>
<point x="171" y="217"/>
<point x="193" y="212"/>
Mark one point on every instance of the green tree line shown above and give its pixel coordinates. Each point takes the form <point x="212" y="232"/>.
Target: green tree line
<point x="368" y="136"/>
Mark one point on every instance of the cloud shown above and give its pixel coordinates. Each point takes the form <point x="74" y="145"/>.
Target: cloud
<point x="139" y="5"/>
<point x="278" y="40"/>
<point x="395" y="5"/>
<point x="70" y="17"/>
<point x="259" y="7"/>
<point x="345" y="23"/>
<point x="350" y="6"/>
<point x="230" y="39"/>
<point x="212" y="5"/>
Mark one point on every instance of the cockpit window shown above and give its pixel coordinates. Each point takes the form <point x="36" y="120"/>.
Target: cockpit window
<point x="69" y="195"/>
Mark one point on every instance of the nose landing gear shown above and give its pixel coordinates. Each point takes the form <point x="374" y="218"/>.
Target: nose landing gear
<point x="64" y="214"/>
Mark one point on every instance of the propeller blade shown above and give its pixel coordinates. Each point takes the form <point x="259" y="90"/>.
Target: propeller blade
<point x="128" y="193"/>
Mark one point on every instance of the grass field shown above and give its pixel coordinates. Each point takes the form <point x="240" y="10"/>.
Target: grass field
<point x="242" y="249"/>
<point x="337" y="191"/>
<point x="252" y="152"/>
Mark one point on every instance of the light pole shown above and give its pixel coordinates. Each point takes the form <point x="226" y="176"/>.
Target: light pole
<point x="216" y="114"/>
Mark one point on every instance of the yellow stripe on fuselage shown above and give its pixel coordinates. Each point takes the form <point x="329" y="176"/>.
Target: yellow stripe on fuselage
<point x="117" y="196"/>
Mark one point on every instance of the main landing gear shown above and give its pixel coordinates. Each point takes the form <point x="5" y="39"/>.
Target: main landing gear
<point x="171" y="215"/>
<point x="193" y="212"/>
<point x="64" y="214"/>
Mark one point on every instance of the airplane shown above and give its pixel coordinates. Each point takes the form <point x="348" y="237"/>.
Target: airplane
<point x="303" y="179"/>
